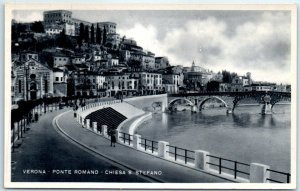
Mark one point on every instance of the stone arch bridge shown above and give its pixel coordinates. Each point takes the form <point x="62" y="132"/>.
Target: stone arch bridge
<point x="230" y="99"/>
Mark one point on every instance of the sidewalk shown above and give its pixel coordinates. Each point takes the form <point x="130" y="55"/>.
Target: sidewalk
<point x="132" y="158"/>
<point x="44" y="150"/>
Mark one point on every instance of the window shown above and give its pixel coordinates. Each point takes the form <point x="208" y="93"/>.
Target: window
<point x="61" y="78"/>
<point x="46" y="86"/>
<point x="56" y="79"/>
<point x="20" y="86"/>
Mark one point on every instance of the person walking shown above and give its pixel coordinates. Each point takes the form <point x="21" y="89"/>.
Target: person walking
<point x="113" y="139"/>
<point x="36" y="116"/>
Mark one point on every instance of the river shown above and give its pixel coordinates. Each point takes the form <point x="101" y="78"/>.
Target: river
<point x="245" y="136"/>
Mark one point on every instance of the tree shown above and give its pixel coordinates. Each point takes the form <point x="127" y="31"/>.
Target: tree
<point x="86" y="34"/>
<point x="65" y="41"/>
<point x="213" y="86"/>
<point x="81" y="32"/>
<point x="226" y="77"/>
<point x="37" y="27"/>
<point x="104" y="36"/>
<point x="98" y="35"/>
<point x="92" y="34"/>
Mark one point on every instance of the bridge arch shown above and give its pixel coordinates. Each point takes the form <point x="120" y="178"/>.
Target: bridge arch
<point x="171" y="103"/>
<point x="209" y="98"/>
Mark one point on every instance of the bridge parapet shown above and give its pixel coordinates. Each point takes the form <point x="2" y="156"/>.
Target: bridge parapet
<point x="231" y="99"/>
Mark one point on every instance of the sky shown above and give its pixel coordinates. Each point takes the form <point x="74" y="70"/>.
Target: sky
<point x="238" y="41"/>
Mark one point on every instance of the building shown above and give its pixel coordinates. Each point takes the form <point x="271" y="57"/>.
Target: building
<point x="261" y="87"/>
<point x="53" y="30"/>
<point x="113" y="39"/>
<point x="78" y="59"/>
<point x="27" y="55"/>
<point x="96" y="56"/>
<point x="69" y="29"/>
<point x="101" y="85"/>
<point x="147" y="62"/>
<point x="161" y="62"/>
<point x="59" y="82"/>
<point x="224" y="87"/>
<point x="110" y="27"/>
<point x="33" y="80"/>
<point x="56" y="29"/>
<point x="149" y="83"/>
<point x="237" y="84"/>
<point x="177" y="69"/>
<point x="77" y="23"/>
<point x="171" y="83"/>
<point x="85" y="82"/>
<point x="60" y="60"/>
<point x="120" y="83"/>
<point x="59" y="76"/>
<point x="57" y="16"/>
<point x="112" y="62"/>
<point x="280" y="88"/>
<point x="125" y="55"/>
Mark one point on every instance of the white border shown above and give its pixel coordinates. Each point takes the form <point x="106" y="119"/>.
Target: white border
<point x="7" y="98"/>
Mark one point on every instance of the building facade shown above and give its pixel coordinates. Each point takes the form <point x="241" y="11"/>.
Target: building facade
<point x="57" y="16"/>
<point x="33" y="80"/>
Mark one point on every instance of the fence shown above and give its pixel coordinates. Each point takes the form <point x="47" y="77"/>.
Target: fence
<point x="126" y="138"/>
<point x="186" y="154"/>
<point x="232" y="166"/>
<point x="149" y="144"/>
<point x="285" y="175"/>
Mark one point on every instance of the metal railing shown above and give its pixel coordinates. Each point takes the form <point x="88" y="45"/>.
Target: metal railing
<point x="287" y="176"/>
<point x="149" y="144"/>
<point x="125" y="137"/>
<point x="234" y="168"/>
<point x="181" y="152"/>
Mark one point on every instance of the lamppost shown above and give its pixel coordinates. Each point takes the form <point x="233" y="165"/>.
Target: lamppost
<point x="26" y="68"/>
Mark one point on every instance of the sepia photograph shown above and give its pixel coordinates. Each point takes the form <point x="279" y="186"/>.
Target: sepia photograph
<point x="190" y="96"/>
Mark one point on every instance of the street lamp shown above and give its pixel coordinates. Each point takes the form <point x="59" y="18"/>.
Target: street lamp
<point x="26" y="68"/>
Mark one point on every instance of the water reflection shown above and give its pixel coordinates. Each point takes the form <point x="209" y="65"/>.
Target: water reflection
<point x="250" y="120"/>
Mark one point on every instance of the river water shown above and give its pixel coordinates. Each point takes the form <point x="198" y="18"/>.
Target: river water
<point x="245" y="136"/>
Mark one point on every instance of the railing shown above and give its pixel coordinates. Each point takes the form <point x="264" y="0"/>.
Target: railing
<point x="149" y="144"/>
<point x="235" y="165"/>
<point x="186" y="154"/>
<point x="125" y="137"/>
<point x="278" y="173"/>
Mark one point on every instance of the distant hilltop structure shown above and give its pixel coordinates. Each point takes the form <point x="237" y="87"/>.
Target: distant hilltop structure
<point x="63" y="19"/>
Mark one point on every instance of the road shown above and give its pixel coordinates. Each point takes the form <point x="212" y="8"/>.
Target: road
<point x="44" y="151"/>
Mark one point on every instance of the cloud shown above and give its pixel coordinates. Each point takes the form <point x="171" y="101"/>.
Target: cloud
<point x="28" y="16"/>
<point x="260" y="46"/>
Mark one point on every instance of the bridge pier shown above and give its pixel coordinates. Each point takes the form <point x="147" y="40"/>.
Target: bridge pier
<point x="266" y="109"/>
<point x="229" y="110"/>
<point x="194" y="109"/>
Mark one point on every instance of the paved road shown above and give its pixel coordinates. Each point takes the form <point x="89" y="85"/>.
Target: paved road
<point x="45" y="150"/>
<point x="137" y="160"/>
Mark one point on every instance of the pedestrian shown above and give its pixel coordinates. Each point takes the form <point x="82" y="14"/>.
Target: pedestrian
<point x="36" y="116"/>
<point x="113" y="139"/>
<point x="30" y="117"/>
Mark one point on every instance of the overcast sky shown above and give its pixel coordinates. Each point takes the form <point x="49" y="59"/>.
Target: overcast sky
<point x="239" y="41"/>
